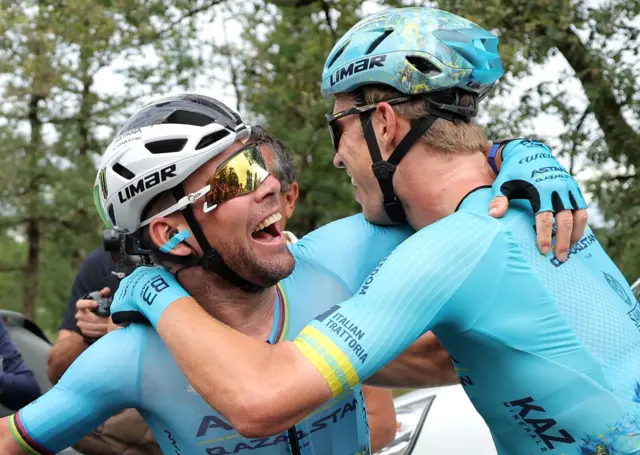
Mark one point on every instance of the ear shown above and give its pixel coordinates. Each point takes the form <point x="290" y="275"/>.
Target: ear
<point x="291" y="197"/>
<point x="162" y="229"/>
<point x="387" y="127"/>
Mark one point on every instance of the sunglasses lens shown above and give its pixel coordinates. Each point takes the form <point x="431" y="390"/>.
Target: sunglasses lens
<point x="335" y="133"/>
<point x="242" y="173"/>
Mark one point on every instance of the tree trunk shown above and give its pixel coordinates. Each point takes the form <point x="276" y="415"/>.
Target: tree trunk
<point x="32" y="269"/>
<point x="619" y="135"/>
<point x="85" y="102"/>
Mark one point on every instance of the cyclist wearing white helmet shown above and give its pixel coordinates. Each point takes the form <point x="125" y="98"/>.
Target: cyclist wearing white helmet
<point x="186" y="180"/>
<point x="547" y="346"/>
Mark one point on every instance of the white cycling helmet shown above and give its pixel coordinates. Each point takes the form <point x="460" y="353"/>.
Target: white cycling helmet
<point x="157" y="149"/>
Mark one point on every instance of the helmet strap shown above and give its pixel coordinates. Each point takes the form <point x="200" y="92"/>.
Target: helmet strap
<point x="211" y="260"/>
<point x="384" y="170"/>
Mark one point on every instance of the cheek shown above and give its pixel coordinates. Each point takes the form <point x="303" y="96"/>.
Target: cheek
<point x="282" y="202"/>
<point x="228" y="221"/>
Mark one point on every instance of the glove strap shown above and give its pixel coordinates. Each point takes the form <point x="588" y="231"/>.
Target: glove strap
<point x="492" y="157"/>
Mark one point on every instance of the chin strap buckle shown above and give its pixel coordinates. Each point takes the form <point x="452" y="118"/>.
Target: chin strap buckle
<point x="383" y="170"/>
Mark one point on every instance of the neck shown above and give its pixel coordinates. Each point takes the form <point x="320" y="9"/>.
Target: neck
<point x="431" y="185"/>
<point x="249" y="313"/>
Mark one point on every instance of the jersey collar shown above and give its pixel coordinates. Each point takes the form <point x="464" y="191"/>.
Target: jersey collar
<point x="469" y="193"/>
<point x="280" y="317"/>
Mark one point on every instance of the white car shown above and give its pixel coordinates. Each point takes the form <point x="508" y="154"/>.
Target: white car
<point x="439" y="420"/>
<point x="635" y="287"/>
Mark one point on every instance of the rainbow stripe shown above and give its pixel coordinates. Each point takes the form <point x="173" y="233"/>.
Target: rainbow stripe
<point x="21" y="436"/>
<point x="328" y="358"/>
<point x="284" y="320"/>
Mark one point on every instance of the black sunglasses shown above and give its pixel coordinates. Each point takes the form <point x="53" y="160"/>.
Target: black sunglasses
<point x="336" y="131"/>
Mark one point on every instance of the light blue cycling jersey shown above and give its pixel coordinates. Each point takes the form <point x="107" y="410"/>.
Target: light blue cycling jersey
<point x="548" y="352"/>
<point x="131" y="367"/>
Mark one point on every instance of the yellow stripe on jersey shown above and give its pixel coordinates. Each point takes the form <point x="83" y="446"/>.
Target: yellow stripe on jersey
<point x="318" y="361"/>
<point x="316" y="347"/>
<point x="334" y="352"/>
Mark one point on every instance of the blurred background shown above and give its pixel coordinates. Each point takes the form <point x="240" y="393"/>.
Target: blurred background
<point x="71" y="71"/>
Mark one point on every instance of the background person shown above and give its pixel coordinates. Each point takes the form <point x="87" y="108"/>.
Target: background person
<point x="18" y="386"/>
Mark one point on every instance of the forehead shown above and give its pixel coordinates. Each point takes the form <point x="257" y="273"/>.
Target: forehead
<point x="267" y="153"/>
<point x="343" y="101"/>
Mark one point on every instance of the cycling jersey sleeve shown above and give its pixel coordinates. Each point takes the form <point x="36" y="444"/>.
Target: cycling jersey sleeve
<point x="400" y="300"/>
<point x="349" y="248"/>
<point x="101" y="382"/>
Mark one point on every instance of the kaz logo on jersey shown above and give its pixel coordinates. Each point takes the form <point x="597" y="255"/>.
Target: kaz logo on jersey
<point x="531" y="416"/>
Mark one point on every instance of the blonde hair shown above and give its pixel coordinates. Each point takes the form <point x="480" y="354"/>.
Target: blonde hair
<point x="455" y="137"/>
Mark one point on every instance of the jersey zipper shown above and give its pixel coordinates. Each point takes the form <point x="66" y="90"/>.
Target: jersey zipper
<point x="294" y="444"/>
<point x="276" y="333"/>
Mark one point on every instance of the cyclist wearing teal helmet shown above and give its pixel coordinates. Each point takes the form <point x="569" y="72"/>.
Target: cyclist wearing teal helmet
<point x="427" y="56"/>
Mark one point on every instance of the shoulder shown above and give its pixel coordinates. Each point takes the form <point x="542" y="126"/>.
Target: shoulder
<point x="5" y="340"/>
<point x="347" y="234"/>
<point x="98" y="261"/>
<point x="99" y="256"/>
<point x="126" y="340"/>
<point x="114" y="357"/>
<point x="448" y="246"/>
<point x="458" y="229"/>
<point x="434" y="262"/>
<point x="95" y="271"/>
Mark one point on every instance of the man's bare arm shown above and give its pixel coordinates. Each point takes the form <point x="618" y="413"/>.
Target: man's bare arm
<point x="67" y="348"/>
<point x="241" y="377"/>
<point x="381" y="414"/>
<point x="8" y="445"/>
<point x="424" y="364"/>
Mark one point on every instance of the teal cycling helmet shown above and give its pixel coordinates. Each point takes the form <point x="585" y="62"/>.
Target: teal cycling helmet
<point x="422" y="53"/>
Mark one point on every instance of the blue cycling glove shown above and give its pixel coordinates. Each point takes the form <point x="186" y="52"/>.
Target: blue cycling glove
<point x="144" y="295"/>
<point x="530" y="171"/>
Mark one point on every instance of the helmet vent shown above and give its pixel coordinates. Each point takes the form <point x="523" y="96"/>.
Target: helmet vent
<point x="423" y="65"/>
<point x="337" y="56"/>
<point x="112" y="215"/>
<point x="212" y="138"/>
<point x="123" y="171"/>
<point x="188" y="118"/>
<point x="166" y="146"/>
<point x="377" y="42"/>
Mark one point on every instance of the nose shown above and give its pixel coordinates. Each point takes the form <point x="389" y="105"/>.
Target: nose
<point x="268" y="188"/>
<point x="337" y="161"/>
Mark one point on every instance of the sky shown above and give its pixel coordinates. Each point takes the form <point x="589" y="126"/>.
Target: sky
<point x="545" y="126"/>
